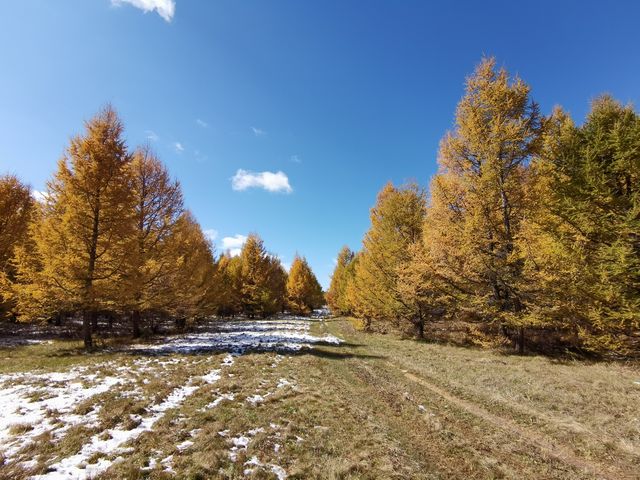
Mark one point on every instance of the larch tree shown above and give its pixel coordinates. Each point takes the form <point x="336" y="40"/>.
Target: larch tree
<point x="227" y="285"/>
<point x="274" y="298"/>
<point x="419" y="290"/>
<point x="16" y="211"/>
<point x="479" y="199"/>
<point x="304" y="293"/>
<point x="337" y="294"/>
<point x="396" y="223"/>
<point x="158" y="204"/>
<point x="189" y="289"/>
<point x="587" y="253"/>
<point x="84" y="237"/>
<point x="255" y="267"/>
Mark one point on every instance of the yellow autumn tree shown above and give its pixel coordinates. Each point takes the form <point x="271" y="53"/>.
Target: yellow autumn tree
<point x="188" y="289"/>
<point x="342" y="273"/>
<point x="584" y="253"/>
<point x="478" y="198"/>
<point x="396" y="223"/>
<point x="261" y="279"/>
<point x="158" y="204"/>
<point x="228" y="285"/>
<point x="304" y="293"/>
<point x="83" y="238"/>
<point x="16" y="211"/>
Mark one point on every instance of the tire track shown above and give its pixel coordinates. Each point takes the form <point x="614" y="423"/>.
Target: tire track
<point x="539" y="441"/>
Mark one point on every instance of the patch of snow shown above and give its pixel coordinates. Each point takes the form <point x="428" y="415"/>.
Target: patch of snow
<point x="240" y="443"/>
<point x="221" y="398"/>
<point x="60" y="392"/>
<point x="184" y="445"/>
<point x="69" y="467"/>
<point x="289" y="335"/>
<point x="212" y="377"/>
<point x="254" y="462"/>
<point x="277" y="470"/>
<point x="283" y="382"/>
<point x="168" y="464"/>
<point x="256" y="399"/>
<point x="152" y="464"/>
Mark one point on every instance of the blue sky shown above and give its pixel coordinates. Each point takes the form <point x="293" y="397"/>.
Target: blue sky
<point x="338" y="96"/>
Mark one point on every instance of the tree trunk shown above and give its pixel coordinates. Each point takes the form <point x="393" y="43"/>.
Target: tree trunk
<point x="419" y="324"/>
<point x="86" y="329"/>
<point x="520" y="340"/>
<point x="94" y="321"/>
<point x="135" y="321"/>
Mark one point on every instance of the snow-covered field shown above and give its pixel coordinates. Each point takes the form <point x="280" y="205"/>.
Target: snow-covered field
<point x="286" y="335"/>
<point x="47" y="406"/>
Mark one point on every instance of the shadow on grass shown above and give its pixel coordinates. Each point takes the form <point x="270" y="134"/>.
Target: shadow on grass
<point x="332" y="355"/>
<point x="287" y="336"/>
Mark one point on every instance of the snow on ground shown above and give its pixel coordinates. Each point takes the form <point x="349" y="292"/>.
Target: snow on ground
<point x="241" y="443"/>
<point x="225" y="396"/>
<point x="287" y="335"/>
<point x="76" y="466"/>
<point x="35" y="403"/>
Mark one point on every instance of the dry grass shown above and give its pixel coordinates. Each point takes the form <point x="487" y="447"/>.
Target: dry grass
<point x="374" y="407"/>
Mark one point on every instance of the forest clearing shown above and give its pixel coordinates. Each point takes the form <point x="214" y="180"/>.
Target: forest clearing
<point x="319" y="240"/>
<point x="312" y="399"/>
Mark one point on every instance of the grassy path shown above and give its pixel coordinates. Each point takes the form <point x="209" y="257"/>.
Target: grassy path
<point x="470" y="413"/>
<point x="373" y="407"/>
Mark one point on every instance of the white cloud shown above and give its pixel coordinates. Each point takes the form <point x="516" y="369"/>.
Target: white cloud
<point x="151" y="135"/>
<point x="258" y="132"/>
<point x="165" y="8"/>
<point x="40" y="196"/>
<point x="272" y="182"/>
<point x="211" y="234"/>
<point x="202" y="123"/>
<point x="178" y="146"/>
<point x="296" y="159"/>
<point x="233" y="244"/>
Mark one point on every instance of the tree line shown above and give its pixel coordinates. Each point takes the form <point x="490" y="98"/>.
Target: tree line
<point x="530" y="228"/>
<point x="111" y="236"/>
